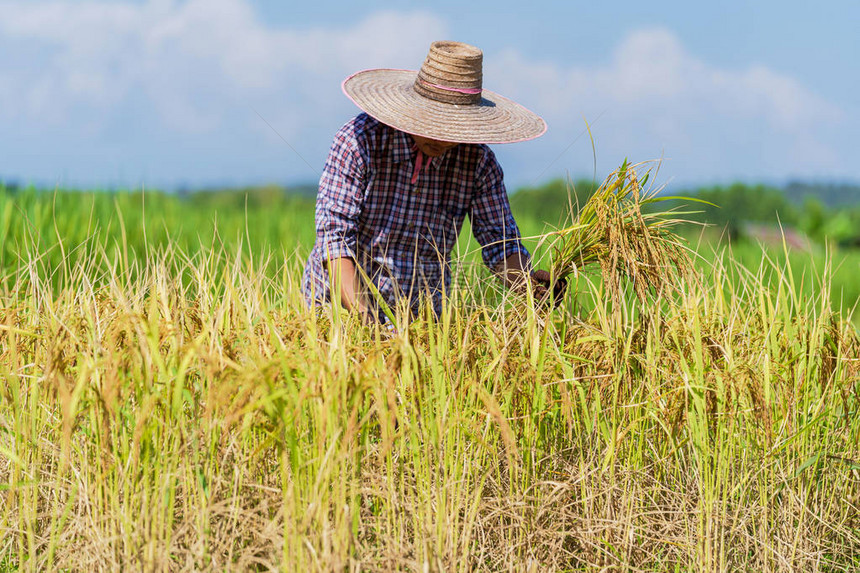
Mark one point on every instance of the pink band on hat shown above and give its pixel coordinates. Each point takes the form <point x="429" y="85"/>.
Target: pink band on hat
<point x="469" y="91"/>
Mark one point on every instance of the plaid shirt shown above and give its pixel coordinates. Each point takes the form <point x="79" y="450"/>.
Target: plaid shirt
<point x="401" y="233"/>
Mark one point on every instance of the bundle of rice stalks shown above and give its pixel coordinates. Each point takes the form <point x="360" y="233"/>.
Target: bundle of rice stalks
<point x="612" y="231"/>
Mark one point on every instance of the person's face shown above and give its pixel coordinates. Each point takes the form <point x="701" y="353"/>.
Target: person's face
<point x="432" y="147"/>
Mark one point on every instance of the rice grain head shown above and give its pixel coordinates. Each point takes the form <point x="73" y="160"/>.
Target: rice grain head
<point x="628" y="245"/>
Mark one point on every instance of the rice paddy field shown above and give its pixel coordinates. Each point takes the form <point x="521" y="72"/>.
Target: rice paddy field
<point x="167" y="402"/>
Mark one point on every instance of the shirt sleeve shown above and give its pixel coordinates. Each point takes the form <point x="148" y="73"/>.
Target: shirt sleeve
<point x="490" y="214"/>
<point x="340" y="196"/>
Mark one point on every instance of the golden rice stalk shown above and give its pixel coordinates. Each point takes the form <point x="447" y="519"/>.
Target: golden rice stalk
<point x="612" y="231"/>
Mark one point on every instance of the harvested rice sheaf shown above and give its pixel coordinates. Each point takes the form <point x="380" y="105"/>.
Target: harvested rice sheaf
<point x="628" y="244"/>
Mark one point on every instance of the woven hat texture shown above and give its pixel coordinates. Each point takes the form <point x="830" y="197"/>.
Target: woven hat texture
<point x="444" y="100"/>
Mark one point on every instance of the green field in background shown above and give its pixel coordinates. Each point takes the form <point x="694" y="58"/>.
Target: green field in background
<point x="265" y="220"/>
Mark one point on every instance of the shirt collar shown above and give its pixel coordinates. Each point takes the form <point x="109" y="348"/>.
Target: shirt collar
<point x="404" y="149"/>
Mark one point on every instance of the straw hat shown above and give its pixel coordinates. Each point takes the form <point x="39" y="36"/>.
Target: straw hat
<point x="444" y="100"/>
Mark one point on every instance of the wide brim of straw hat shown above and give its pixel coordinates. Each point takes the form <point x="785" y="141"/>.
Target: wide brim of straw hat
<point x="388" y="96"/>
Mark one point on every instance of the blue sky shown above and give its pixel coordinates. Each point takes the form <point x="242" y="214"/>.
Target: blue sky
<point x="165" y="93"/>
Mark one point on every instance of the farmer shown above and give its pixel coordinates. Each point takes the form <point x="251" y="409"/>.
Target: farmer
<point x="400" y="179"/>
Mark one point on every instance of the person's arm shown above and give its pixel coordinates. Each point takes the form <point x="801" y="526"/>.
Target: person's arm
<point x="339" y="203"/>
<point x="514" y="270"/>
<point x="495" y="229"/>
<point x="344" y="279"/>
<point x="493" y="224"/>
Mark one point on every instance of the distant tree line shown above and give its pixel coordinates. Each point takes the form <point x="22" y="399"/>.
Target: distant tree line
<point x="830" y="194"/>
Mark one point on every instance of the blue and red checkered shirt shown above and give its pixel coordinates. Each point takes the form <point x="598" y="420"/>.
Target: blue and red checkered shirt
<point x="402" y="233"/>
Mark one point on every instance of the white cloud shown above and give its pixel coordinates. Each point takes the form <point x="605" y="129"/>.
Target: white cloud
<point x="655" y="96"/>
<point x="650" y="71"/>
<point x="192" y="59"/>
<point x="194" y="68"/>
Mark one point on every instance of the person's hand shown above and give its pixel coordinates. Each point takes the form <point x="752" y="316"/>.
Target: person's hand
<point x="372" y="319"/>
<point x="545" y="290"/>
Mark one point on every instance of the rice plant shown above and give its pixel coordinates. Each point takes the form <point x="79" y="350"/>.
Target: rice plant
<point x="615" y="231"/>
<point x="180" y="408"/>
